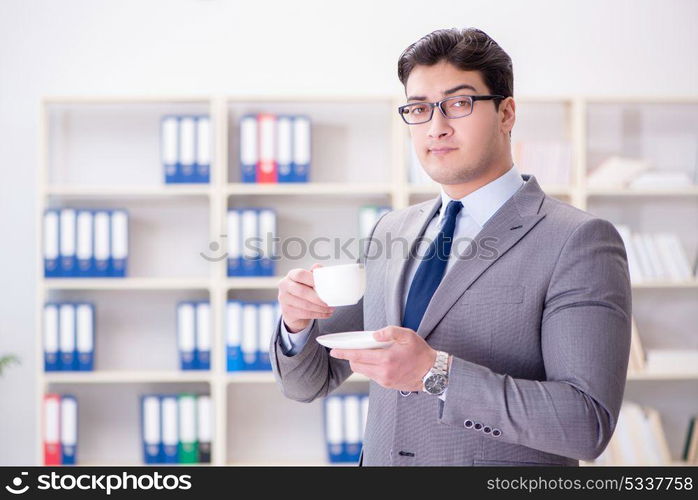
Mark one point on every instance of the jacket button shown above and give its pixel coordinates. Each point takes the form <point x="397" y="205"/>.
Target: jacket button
<point x="468" y="424"/>
<point x="487" y="429"/>
<point x="478" y="426"/>
<point x="496" y="432"/>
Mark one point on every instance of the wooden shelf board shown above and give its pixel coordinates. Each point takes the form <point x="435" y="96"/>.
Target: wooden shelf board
<point x="125" y="284"/>
<point x="115" y="377"/>
<point x="164" y="191"/>
<point x="309" y="188"/>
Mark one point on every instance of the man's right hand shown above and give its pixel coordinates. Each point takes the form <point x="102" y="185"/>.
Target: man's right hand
<point x="299" y="302"/>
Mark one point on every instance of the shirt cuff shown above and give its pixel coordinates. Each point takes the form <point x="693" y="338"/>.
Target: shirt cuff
<point x="293" y="343"/>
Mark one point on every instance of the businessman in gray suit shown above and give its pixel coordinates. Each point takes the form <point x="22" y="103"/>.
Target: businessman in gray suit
<point x="510" y="314"/>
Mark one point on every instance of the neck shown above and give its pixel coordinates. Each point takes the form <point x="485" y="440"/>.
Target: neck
<point x="458" y="191"/>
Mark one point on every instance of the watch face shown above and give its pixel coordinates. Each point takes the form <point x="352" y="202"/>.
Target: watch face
<point x="435" y="384"/>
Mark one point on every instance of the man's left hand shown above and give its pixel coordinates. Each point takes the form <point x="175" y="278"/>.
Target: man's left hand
<point x="400" y="366"/>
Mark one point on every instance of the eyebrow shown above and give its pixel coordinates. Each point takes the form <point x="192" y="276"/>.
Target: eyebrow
<point x="445" y="92"/>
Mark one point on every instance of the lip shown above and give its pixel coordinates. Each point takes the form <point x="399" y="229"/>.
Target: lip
<point x="441" y="151"/>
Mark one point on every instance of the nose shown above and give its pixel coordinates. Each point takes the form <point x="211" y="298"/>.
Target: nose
<point x="439" y="126"/>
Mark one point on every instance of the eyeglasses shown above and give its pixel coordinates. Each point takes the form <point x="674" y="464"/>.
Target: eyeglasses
<point x="451" y="107"/>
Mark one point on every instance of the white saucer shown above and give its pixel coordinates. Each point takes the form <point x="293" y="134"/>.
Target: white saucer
<point x="362" y="339"/>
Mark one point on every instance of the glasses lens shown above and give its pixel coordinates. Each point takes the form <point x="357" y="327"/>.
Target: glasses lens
<point x="458" y="107"/>
<point x="416" y="113"/>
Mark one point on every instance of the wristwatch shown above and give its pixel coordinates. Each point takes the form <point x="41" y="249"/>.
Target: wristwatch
<point x="436" y="379"/>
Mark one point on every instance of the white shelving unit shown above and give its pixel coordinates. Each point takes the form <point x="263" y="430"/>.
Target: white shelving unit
<point x="104" y="152"/>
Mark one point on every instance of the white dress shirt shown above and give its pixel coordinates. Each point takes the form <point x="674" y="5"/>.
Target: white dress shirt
<point x="478" y="207"/>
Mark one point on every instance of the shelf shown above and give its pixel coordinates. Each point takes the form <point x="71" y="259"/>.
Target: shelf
<point x="267" y="377"/>
<point x="242" y="283"/>
<point x="125" y="377"/>
<point x="164" y="191"/>
<point x="674" y="375"/>
<point x="126" y="284"/>
<point x="139" y="183"/>
<point x="666" y="284"/>
<point x="629" y="192"/>
<point x="309" y="188"/>
<point x="253" y="283"/>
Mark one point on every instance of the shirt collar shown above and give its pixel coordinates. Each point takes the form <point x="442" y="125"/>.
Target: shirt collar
<point x="482" y="203"/>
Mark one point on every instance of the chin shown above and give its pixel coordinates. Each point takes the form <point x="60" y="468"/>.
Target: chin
<point x="445" y="173"/>
<point x="448" y="176"/>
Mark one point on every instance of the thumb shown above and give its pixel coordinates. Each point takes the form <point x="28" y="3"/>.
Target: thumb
<point x="399" y="335"/>
<point x="315" y="266"/>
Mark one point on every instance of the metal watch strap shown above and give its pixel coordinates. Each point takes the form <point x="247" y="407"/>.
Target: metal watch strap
<point x="441" y="363"/>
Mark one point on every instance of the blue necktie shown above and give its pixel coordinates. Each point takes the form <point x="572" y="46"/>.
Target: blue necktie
<point x="430" y="271"/>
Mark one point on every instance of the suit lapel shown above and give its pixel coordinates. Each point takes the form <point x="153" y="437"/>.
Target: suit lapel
<point x="413" y="225"/>
<point x="504" y="229"/>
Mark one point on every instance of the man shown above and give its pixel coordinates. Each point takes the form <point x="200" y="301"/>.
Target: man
<point x="512" y="350"/>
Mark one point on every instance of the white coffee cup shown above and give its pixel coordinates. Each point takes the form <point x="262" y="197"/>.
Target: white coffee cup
<point x="342" y="285"/>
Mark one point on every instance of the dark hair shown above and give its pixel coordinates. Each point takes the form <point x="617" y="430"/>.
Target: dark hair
<point x="468" y="49"/>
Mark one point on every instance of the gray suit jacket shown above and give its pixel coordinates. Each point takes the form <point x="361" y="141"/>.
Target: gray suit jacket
<point x="538" y="322"/>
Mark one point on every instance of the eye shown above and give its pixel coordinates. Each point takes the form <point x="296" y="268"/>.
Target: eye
<point x="460" y="103"/>
<point x="416" y="110"/>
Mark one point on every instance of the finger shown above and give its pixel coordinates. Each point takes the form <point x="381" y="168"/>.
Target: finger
<point x="395" y="333"/>
<point x="370" y="371"/>
<point x="364" y="356"/>
<point x="300" y="275"/>
<point x="305" y="292"/>
<point x="304" y="304"/>
<point x="383" y="335"/>
<point x="294" y="312"/>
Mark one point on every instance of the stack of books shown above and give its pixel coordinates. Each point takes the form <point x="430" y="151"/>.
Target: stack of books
<point x="194" y="335"/>
<point x="638" y="439"/>
<point x="60" y="436"/>
<point x="69" y="336"/>
<point x="185" y="149"/>
<point x="345" y="422"/>
<point x="176" y="428"/>
<point x="274" y="148"/>
<point x="249" y="329"/>
<point x="619" y="172"/>
<point x="251" y="233"/>
<point x="655" y="256"/>
<point x="85" y="243"/>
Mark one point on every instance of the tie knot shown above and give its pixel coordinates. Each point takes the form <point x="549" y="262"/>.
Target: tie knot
<point x="453" y="208"/>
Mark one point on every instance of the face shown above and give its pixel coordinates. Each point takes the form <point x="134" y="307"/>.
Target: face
<point x="459" y="150"/>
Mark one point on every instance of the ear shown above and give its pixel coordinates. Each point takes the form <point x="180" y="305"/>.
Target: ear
<point x="507" y="111"/>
